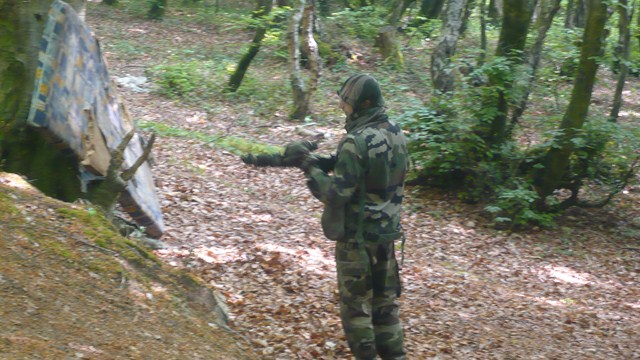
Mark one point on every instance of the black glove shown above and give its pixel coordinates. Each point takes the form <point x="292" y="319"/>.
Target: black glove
<point x="248" y="159"/>
<point x="308" y="162"/>
<point x="296" y="152"/>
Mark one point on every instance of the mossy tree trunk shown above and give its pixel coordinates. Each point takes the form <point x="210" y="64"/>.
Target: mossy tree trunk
<point x="494" y="11"/>
<point x="324" y="7"/>
<point x="399" y="7"/>
<point x="483" y="33"/>
<point x="21" y="26"/>
<point x="389" y="46"/>
<point x="431" y="9"/>
<point x="262" y="11"/>
<point x="625" y="14"/>
<point x="638" y="27"/>
<point x="513" y="36"/>
<point x="157" y="9"/>
<point x="442" y="75"/>
<point x="468" y="10"/>
<point x="557" y="159"/>
<point x="575" y="14"/>
<point x="24" y="150"/>
<point x="548" y="11"/>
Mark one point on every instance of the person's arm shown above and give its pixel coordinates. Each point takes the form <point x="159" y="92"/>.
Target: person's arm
<point x="339" y="188"/>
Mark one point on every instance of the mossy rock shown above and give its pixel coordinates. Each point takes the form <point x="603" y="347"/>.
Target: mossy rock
<point x="72" y="285"/>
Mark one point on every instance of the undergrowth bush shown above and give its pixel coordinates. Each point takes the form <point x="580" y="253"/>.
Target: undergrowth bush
<point x="447" y="152"/>
<point x="363" y="23"/>
<point x="177" y="79"/>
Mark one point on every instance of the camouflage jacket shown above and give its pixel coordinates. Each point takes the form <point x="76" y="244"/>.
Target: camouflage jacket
<point x="383" y="165"/>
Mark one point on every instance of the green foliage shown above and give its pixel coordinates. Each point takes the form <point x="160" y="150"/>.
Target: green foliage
<point x="177" y="79"/>
<point x="363" y="23"/>
<point x="423" y="29"/>
<point x="193" y="75"/>
<point x="605" y="153"/>
<point x="513" y="203"/>
<point x="443" y="148"/>
<point x="329" y="54"/>
<point x="562" y="53"/>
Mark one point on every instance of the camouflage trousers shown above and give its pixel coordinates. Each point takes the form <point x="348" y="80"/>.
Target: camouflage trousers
<point x="369" y="285"/>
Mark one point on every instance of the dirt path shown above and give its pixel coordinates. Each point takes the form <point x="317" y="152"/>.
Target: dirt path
<point x="469" y="292"/>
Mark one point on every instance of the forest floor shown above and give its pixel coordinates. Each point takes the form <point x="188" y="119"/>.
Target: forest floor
<point x="469" y="291"/>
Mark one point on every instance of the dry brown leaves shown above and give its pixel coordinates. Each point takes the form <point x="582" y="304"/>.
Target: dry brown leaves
<point x="469" y="292"/>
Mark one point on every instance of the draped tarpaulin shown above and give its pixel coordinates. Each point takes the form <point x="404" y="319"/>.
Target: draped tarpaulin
<point x="75" y="101"/>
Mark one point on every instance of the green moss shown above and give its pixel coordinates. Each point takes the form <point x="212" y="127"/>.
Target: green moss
<point x="230" y="143"/>
<point x="7" y="210"/>
<point x="59" y="248"/>
<point x="108" y="267"/>
<point x="99" y="230"/>
<point x="28" y="152"/>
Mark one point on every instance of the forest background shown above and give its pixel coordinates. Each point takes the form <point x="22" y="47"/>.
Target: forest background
<point x="523" y="210"/>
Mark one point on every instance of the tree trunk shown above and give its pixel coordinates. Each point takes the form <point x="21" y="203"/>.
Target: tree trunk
<point x="468" y="10"/>
<point x="310" y="50"/>
<point x="431" y="9"/>
<point x="300" y="107"/>
<point x="442" y="75"/>
<point x="157" y="9"/>
<point x="625" y="14"/>
<point x="493" y="12"/>
<point x="483" y="33"/>
<point x="324" y="7"/>
<point x="263" y="9"/>
<point x="576" y="10"/>
<point x="638" y="28"/>
<point x="389" y="46"/>
<point x="21" y="26"/>
<point x="25" y="150"/>
<point x="399" y="7"/>
<point x="543" y="24"/>
<point x="557" y="160"/>
<point x="513" y="36"/>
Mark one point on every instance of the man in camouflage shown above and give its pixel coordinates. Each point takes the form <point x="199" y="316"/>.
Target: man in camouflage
<point x="366" y="188"/>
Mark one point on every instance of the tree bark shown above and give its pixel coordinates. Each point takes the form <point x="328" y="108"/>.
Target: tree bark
<point x="625" y="14"/>
<point x="442" y="74"/>
<point x="300" y="107"/>
<point x="549" y="9"/>
<point x="513" y="36"/>
<point x="389" y="46"/>
<point x="399" y="7"/>
<point x="576" y="10"/>
<point x="493" y="12"/>
<point x="431" y="9"/>
<point x="21" y="26"/>
<point x="468" y="10"/>
<point x="483" y="33"/>
<point x="263" y="9"/>
<point x="25" y="150"/>
<point x="557" y="159"/>
<point x="310" y="50"/>
<point x="157" y="10"/>
<point x="638" y="28"/>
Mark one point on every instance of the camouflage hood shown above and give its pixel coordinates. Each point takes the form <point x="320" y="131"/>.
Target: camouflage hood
<point x="356" y="90"/>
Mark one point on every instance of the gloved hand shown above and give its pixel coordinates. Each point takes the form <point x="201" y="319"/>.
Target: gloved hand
<point x="296" y="152"/>
<point x="248" y="159"/>
<point x="309" y="161"/>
